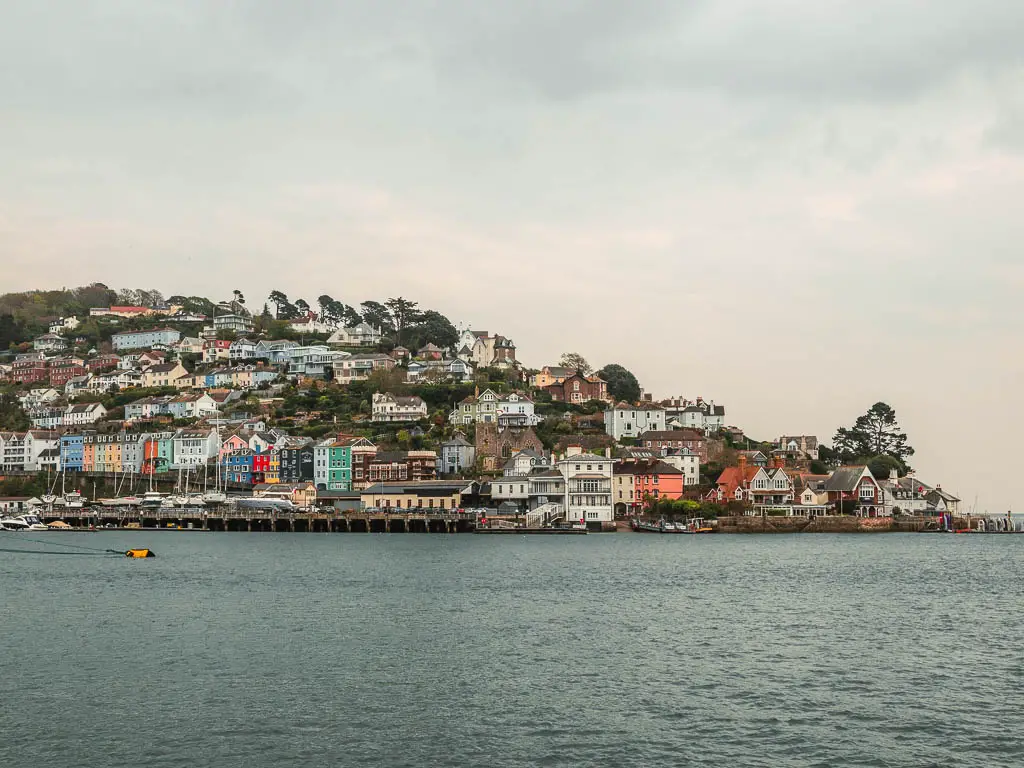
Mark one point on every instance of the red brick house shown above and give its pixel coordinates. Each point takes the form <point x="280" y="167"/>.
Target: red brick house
<point x="63" y="369"/>
<point x="675" y="439"/>
<point x="578" y="389"/>
<point x="30" y="370"/>
<point x="857" y="483"/>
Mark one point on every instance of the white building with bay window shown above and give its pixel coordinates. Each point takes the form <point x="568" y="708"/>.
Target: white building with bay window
<point x="588" y="489"/>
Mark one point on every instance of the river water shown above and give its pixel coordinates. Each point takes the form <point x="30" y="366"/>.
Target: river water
<point x="458" y="650"/>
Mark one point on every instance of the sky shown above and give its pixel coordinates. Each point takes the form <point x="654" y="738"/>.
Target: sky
<point x="795" y="209"/>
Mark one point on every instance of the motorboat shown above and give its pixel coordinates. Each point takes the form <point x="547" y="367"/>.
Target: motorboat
<point x="74" y="500"/>
<point x="215" y="497"/>
<point x="279" y="505"/>
<point x="34" y="523"/>
<point x="23" y="523"/>
<point x="121" y="501"/>
<point x="152" y="499"/>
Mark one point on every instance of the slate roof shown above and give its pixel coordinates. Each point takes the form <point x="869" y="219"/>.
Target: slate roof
<point x="846" y="478"/>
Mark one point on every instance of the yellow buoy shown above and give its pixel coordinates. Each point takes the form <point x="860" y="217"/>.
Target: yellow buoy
<point x="140" y="553"/>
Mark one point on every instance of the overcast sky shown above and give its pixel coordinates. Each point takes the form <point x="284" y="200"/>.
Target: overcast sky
<point x="794" y="208"/>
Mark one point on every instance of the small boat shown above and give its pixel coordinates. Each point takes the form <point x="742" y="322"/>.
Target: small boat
<point x="74" y="500"/>
<point x="697" y="525"/>
<point x="59" y="525"/>
<point x="23" y="523"/>
<point x="152" y="499"/>
<point x="662" y="526"/>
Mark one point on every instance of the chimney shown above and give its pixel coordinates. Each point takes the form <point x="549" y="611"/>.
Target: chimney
<point x="608" y="452"/>
<point x="894" y="475"/>
<point x="743" y="463"/>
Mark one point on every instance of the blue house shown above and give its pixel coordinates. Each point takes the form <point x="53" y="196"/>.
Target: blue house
<point x="238" y="467"/>
<point x="71" y="453"/>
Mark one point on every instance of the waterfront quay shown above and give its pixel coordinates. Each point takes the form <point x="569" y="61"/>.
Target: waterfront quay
<point x="237" y="519"/>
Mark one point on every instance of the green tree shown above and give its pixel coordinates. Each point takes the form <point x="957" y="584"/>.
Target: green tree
<point x="881" y="466"/>
<point x="574" y="361"/>
<point x="12" y="415"/>
<point x="11" y="331"/>
<point x="432" y="327"/>
<point x="819" y="468"/>
<point x="876" y="432"/>
<point x="622" y="384"/>
<point x="377" y="315"/>
<point x="279" y="300"/>
<point x="403" y="314"/>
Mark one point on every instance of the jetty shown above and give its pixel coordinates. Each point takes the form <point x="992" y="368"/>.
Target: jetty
<point x="230" y="518"/>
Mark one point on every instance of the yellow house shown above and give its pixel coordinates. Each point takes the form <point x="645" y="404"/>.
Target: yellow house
<point x="163" y="375"/>
<point x="273" y="473"/>
<point x="241" y="378"/>
<point x="548" y="376"/>
<point x="424" y="495"/>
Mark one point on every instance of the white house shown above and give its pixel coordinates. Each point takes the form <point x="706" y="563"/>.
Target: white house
<point x="360" y="335"/>
<point x="47" y="418"/>
<point x="453" y="369"/>
<point x="486" y="350"/>
<point x="312" y="324"/>
<point x="312" y="360"/>
<point x="49" y="342"/>
<point x="39" y="396"/>
<point x="388" y="407"/>
<point x="456" y="455"/>
<point x="83" y="413"/>
<point x="588" y="488"/>
<point x="695" y="414"/>
<point x="233" y="322"/>
<point x="192" y="405"/>
<point x="195" y="447"/>
<point x="27" y="451"/>
<point x="145" y="339"/>
<point x="907" y="494"/>
<point x="241" y="349"/>
<point x="77" y="384"/>
<point x="685" y="460"/>
<point x="62" y="324"/>
<point x="626" y="420"/>
<point x="359" y="367"/>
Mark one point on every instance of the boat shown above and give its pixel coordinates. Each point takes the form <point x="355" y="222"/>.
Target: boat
<point x="28" y="522"/>
<point x="34" y="523"/>
<point x="74" y="500"/>
<point x="280" y="505"/>
<point x="662" y="526"/>
<point x="152" y="499"/>
<point x="59" y="525"/>
<point x="696" y="525"/>
<point x="13" y="524"/>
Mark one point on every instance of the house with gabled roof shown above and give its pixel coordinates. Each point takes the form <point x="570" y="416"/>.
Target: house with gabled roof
<point x="751" y="484"/>
<point x="358" y="335"/>
<point x="388" y="407"/>
<point x="628" y="420"/>
<point x="858" y="484"/>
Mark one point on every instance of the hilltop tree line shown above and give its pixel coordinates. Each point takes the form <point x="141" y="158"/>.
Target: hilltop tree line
<point x="398" y="318"/>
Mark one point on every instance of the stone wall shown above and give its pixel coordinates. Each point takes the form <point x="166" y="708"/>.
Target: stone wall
<point x="831" y="524"/>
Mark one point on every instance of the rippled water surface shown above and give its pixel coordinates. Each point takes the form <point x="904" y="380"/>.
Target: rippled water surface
<point x="458" y="650"/>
